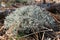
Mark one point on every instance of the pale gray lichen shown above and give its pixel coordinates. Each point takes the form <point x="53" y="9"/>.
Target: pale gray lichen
<point x="32" y="17"/>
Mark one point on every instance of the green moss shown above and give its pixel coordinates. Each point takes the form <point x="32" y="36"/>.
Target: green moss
<point x="11" y="39"/>
<point x="20" y="34"/>
<point x="21" y="1"/>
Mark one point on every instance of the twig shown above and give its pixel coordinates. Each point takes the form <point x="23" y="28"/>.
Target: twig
<point x="1" y="28"/>
<point x="35" y="33"/>
<point x="43" y="36"/>
<point x="56" y="17"/>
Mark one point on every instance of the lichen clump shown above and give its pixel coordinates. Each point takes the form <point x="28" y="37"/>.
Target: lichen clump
<point x="29" y="18"/>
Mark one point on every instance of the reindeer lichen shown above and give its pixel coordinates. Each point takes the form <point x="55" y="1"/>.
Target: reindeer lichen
<point x="29" y="18"/>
